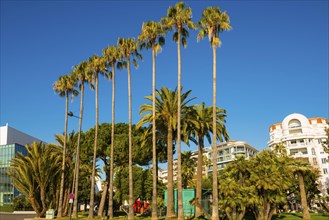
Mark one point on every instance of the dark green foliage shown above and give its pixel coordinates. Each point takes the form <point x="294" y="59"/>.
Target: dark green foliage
<point x="20" y="203"/>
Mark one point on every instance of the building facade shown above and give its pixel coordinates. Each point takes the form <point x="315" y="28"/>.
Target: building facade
<point x="12" y="141"/>
<point x="303" y="138"/>
<point x="226" y="153"/>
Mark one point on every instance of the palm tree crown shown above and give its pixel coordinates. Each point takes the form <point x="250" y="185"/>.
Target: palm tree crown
<point x="179" y="18"/>
<point x="152" y="36"/>
<point x="213" y="22"/>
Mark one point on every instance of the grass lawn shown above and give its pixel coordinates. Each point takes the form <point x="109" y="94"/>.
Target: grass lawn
<point x="291" y="216"/>
<point x="296" y="216"/>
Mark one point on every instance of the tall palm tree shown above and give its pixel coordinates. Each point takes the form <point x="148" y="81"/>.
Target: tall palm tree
<point x="200" y="126"/>
<point x="213" y="22"/>
<point x="97" y="66"/>
<point x="111" y="55"/>
<point x="152" y="38"/>
<point x="64" y="86"/>
<point x="128" y="48"/>
<point x="179" y="18"/>
<point x="83" y="75"/>
<point x="166" y="118"/>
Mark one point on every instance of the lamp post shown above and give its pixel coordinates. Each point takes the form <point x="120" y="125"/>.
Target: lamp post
<point x="74" y="192"/>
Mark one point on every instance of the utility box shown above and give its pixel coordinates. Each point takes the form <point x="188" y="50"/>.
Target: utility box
<point x="50" y="214"/>
<point x="187" y="196"/>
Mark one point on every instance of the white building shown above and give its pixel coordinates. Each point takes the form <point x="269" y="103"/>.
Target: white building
<point x="226" y="153"/>
<point x="303" y="138"/>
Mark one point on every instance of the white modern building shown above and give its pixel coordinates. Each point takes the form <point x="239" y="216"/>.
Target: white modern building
<point x="226" y="153"/>
<point x="12" y="141"/>
<point x="303" y="138"/>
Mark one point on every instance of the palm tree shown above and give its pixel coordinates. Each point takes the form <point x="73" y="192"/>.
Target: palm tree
<point x="33" y="175"/>
<point x="97" y="66"/>
<point x="64" y="86"/>
<point x="166" y="119"/>
<point x="213" y="22"/>
<point x="83" y="75"/>
<point x="128" y="48"/>
<point x="179" y="18"/>
<point x="111" y="55"/>
<point x="200" y="126"/>
<point x="188" y="171"/>
<point x="152" y="37"/>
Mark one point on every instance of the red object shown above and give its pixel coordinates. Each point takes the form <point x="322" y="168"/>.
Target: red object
<point x="137" y="206"/>
<point x="146" y="204"/>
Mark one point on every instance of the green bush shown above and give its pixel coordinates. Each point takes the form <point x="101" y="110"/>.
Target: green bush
<point x="6" y="208"/>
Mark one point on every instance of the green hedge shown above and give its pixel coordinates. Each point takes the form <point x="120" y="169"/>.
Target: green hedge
<point x="6" y="208"/>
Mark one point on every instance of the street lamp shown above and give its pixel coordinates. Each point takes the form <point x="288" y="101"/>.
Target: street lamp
<point x="75" y="183"/>
<point x="72" y="115"/>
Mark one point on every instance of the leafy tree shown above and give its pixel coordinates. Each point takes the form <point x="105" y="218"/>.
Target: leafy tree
<point x="179" y="18"/>
<point x="64" y="86"/>
<point x="212" y="23"/>
<point x="187" y="169"/>
<point x="112" y="55"/>
<point x="128" y="48"/>
<point x="97" y="66"/>
<point x="236" y="192"/>
<point x="152" y="38"/>
<point x="269" y="175"/>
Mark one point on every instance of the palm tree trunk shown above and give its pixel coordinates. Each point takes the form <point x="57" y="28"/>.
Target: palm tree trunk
<point x="131" y="193"/>
<point x="198" y="211"/>
<point x="34" y="203"/>
<point x="60" y="205"/>
<point x="179" y="159"/>
<point x="77" y="159"/>
<point x="92" y="187"/>
<point x="214" y="145"/>
<point x="154" y="153"/>
<point x="170" y="199"/>
<point x="110" y="209"/>
<point x="102" y="203"/>
<point x="306" y="214"/>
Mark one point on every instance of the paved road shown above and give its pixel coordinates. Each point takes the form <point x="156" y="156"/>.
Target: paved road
<point x="10" y="216"/>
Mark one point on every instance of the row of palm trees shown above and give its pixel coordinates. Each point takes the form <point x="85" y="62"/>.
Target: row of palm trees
<point x="179" y="19"/>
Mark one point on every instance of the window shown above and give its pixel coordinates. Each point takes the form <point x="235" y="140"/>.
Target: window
<point x="293" y="142"/>
<point x="325" y="171"/>
<point x="319" y="141"/>
<point x="294" y="123"/>
<point x="324" y="160"/>
<point x="314" y="161"/>
<point x="301" y="142"/>
<point x="293" y="151"/>
<point x="303" y="150"/>
<point x="313" y="151"/>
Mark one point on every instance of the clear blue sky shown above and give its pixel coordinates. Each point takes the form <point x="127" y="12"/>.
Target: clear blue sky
<point x="273" y="62"/>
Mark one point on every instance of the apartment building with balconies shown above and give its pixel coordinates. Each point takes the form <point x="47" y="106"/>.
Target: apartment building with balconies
<point x="226" y="153"/>
<point x="303" y="138"/>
